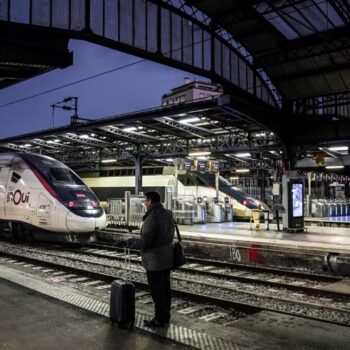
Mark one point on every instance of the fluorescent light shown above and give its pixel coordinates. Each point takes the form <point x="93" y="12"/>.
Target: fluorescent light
<point x="243" y="155"/>
<point x="108" y="160"/>
<point x="234" y="177"/>
<point x="131" y="128"/>
<point x="338" y="148"/>
<point x="169" y="160"/>
<point x="199" y="153"/>
<point x="84" y="136"/>
<point x="189" y="120"/>
<point x="335" y="167"/>
<point x="202" y="158"/>
<point x="242" y="170"/>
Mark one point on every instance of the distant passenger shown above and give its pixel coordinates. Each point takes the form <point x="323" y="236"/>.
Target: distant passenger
<point x="155" y="242"/>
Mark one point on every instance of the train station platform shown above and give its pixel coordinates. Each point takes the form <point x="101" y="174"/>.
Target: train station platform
<point x="241" y="242"/>
<point x="33" y="321"/>
<point x="315" y="238"/>
<point x="38" y="314"/>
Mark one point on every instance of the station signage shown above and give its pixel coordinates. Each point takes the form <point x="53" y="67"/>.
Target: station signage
<point x="202" y="165"/>
<point x="214" y="166"/>
<point x="187" y="164"/>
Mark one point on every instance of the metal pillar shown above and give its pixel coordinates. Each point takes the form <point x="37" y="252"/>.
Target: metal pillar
<point x="217" y="189"/>
<point x="308" y="196"/>
<point x="138" y="160"/>
<point x="127" y="208"/>
<point x="176" y="182"/>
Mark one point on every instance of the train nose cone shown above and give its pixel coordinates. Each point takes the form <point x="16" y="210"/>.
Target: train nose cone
<point x="101" y="222"/>
<point x="77" y="223"/>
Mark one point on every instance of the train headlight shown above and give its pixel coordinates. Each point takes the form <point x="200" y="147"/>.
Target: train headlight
<point x="72" y="204"/>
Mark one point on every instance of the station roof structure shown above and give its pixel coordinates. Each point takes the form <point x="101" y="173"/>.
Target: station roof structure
<point x="155" y="135"/>
<point x="28" y="53"/>
<point x="303" y="45"/>
<point x="285" y="64"/>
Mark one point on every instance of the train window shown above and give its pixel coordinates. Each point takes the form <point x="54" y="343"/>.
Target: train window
<point x="18" y="164"/>
<point x="63" y="175"/>
<point x="15" y="177"/>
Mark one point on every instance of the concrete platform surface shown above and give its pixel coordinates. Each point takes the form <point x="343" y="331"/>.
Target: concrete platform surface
<point x="38" y="313"/>
<point x="32" y="321"/>
<point x="315" y="238"/>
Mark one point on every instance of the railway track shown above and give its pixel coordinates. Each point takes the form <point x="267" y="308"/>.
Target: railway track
<point x="206" y="289"/>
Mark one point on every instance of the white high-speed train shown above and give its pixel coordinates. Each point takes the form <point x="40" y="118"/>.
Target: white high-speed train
<point x="43" y="197"/>
<point x="113" y="183"/>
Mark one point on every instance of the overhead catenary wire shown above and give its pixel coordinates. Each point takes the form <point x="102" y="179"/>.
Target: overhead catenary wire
<point x="73" y="83"/>
<point x="94" y="76"/>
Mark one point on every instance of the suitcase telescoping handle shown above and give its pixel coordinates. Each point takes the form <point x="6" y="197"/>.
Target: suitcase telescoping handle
<point x="127" y="265"/>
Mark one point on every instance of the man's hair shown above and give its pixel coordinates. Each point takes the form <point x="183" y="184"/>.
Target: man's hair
<point x="153" y="196"/>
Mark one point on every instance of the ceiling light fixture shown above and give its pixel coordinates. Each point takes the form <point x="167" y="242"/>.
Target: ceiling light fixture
<point x="338" y="148"/>
<point x="242" y="170"/>
<point x="199" y="153"/>
<point x="243" y="155"/>
<point x="335" y="167"/>
<point x="189" y="120"/>
<point x="108" y="160"/>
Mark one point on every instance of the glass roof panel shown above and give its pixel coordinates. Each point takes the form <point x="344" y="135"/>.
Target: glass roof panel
<point x="300" y="18"/>
<point x="283" y="27"/>
<point x="330" y="12"/>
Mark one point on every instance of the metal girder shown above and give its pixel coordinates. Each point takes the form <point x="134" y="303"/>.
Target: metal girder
<point x="190" y="129"/>
<point x="320" y="132"/>
<point x="342" y="8"/>
<point x="154" y="30"/>
<point x="88" y="141"/>
<point x="312" y="72"/>
<point x="328" y="106"/>
<point x="134" y="137"/>
<point x="254" y="164"/>
<point x="335" y="40"/>
<point x="231" y="143"/>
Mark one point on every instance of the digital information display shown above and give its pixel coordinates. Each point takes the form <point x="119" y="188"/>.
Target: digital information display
<point x="187" y="164"/>
<point x="202" y="165"/>
<point x="297" y="200"/>
<point x="215" y="166"/>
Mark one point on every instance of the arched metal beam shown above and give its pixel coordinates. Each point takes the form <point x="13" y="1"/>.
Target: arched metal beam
<point x="148" y="28"/>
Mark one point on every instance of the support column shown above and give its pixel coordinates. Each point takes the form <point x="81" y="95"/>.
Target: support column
<point x="138" y="160"/>
<point x="217" y="189"/>
<point x="176" y="182"/>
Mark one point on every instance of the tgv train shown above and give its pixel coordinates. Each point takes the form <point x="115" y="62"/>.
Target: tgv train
<point x="43" y="197"/>
<point x="113" y="183"/>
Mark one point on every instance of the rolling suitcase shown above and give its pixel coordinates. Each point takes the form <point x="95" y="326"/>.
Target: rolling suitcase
<point x="122" y="302"/>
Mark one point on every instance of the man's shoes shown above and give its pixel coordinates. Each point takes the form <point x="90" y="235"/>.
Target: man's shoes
<point x="153" y="323"/>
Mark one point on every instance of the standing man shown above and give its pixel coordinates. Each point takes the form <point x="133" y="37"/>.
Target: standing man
<point x="156" y="244"/>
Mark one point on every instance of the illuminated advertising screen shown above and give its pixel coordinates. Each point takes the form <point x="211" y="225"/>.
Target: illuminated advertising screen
<point x="187" y="164"/>
<point x="202" y="165"/>
<point x="297" y="200"/>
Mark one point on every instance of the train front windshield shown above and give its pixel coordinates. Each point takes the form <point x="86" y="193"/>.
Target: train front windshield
<point x="70" y="188"/>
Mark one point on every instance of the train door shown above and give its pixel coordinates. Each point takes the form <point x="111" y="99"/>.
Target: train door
<point x="43" y="210"/>
<point x="4" y="173"/>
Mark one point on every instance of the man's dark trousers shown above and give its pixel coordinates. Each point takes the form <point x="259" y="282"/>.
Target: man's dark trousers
<point x="159" y="283"/>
